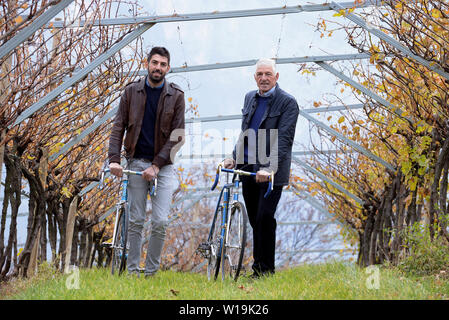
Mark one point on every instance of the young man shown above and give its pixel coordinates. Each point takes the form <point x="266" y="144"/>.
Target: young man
<point x="265" y="146"/>
<point x="151" y="111"/>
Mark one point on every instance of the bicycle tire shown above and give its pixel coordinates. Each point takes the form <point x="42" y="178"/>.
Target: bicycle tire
<point x="119" y="246"/>
<point x="214" y="240"/>
<point x="213" y="266"/>
<point x="234" y="242"/>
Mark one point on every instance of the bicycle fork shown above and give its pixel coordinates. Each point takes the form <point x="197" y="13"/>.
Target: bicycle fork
<point x="226" y="215"/>
<point x="224" y="221"/>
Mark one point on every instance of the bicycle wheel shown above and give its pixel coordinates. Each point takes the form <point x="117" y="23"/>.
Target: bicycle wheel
<point x="119" y="248"/>
<point x="234" y="242"/>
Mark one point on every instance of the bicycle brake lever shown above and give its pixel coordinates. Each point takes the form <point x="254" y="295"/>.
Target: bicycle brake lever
<point x="103" y="172"/>
<point x="153" y="188"/>
<point x="270" y="185"/>
<point x="217" y="177"/>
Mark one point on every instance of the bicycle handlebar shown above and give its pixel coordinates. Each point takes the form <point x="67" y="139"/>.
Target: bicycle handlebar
<point x="243" y="173"/>
<point x="128" y="172"/>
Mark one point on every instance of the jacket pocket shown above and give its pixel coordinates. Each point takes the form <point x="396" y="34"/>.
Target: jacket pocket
<point x="272" y="120"/>
<point x="167" y="116"/>
<point x="245" y="115"/>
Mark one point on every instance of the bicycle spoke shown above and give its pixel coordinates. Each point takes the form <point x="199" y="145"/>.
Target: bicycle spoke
<point x="235" y="242"/>
<point x="215" y="249"/>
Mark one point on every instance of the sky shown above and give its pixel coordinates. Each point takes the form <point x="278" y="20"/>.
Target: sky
<point x="221" y="92"/>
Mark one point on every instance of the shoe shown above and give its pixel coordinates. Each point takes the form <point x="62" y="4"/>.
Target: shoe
<point x="257" y="275"/>
<point x="134" y="273"/>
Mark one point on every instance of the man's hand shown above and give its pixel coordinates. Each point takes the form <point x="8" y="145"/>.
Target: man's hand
<point x="262" y="176"/>
<point x="150" y="173"/>
<point x="229" y="163"/>
<point x="116" y="169"/>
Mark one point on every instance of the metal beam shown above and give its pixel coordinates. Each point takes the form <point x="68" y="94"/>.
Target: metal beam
<point x="304" y="195"/>
<point x="110" y="114"/>
<point x="83" y="134"/>
<point x="391" y="41"/>
<point x="325" y="178"/>
<point x="219" y="15"/>
<point x="358" y="86"/>
<point x="252" y="62"/>
<point x="347" y="141"/>
<point x="193" y="224"/>
<point x="308" y="117"/>
<point x="314" y="251"/>
<point x="224" y="155"/>
<point x="81" y="74"/>
<point x="311" y="110"/>
<point x="33" y="27"/>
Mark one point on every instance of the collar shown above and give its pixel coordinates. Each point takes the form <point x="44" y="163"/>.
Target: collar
<point x="166" y="87"/>
<point x="267" y="94"/>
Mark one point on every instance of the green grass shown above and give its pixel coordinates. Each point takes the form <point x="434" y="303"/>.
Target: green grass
<point x="323" y="281"/>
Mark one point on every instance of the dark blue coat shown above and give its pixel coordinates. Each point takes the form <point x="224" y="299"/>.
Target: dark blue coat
<point x="281" y="114"/>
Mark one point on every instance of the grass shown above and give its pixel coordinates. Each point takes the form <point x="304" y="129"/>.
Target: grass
<point x="328" y="281"/>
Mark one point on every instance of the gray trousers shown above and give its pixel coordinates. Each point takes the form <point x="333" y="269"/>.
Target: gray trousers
<point x="138" y="190"/>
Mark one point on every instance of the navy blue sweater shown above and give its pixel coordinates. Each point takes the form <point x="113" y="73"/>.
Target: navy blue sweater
<point x="145" y="143"/>
<point x="262" y="103"/>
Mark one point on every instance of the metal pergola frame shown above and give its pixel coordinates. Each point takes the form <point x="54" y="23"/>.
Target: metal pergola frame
<point x="145" y="23"/>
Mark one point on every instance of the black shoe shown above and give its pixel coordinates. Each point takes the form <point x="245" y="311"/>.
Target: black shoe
<point x="257" y="275"/>
<point x="254" y="276"/>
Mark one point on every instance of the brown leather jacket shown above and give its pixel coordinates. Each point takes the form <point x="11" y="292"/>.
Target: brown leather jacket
<point x="169" y="116"/>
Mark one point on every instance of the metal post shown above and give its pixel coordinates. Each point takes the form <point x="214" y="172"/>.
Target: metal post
<point x="325" y="178"/>
<point x="224" y="14"/>
<point x="81" y="74"/>
<point x="83" y="134"/>
<point x="111" y="113"/>
<point x="37" y="24"/>
<point x="347" y="141"/>
<point x="391" y="41"/>
<point x="358" y="86"/>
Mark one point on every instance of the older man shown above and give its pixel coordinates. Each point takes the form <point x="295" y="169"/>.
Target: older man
<point x="265" y="146"/>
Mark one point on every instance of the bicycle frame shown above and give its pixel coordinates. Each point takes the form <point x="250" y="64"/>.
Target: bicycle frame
<point x="123" y="201"/>
<point x="227" y="204"/>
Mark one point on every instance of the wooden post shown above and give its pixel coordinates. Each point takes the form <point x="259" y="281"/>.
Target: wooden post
<point x="43" y="172"/>
<point x="69" y="232"/>
<point x="32" y="265"/>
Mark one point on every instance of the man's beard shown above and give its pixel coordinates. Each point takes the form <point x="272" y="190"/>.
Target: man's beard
<point x="155" y="79"/>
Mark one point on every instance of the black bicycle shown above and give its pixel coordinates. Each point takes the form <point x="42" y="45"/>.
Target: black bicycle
<point x="226" y="242"/>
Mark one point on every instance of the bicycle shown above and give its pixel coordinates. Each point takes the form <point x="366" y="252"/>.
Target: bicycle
<point x="119" y="243"/>
<point x="226" y="242"/>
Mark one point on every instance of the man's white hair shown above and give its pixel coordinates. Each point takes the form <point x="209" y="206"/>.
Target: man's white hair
<point x="266" y="62"/>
